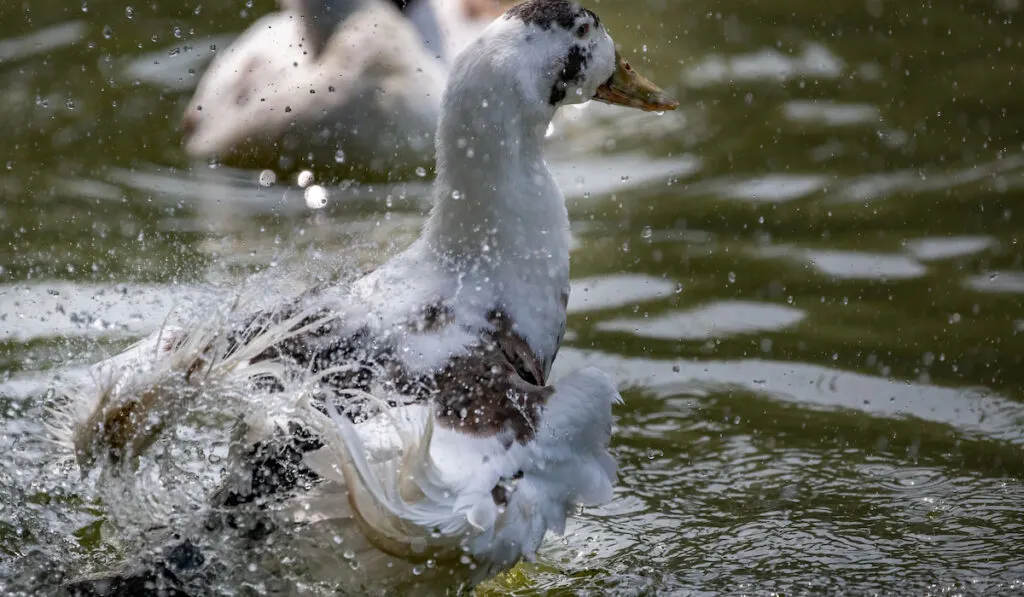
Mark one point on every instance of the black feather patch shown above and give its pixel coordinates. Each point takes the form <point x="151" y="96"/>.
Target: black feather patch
<point x="572" y="72"/>
<point x="548" y="13"/>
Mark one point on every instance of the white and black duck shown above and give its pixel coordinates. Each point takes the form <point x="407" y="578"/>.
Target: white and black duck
<point x="421" y="425"/>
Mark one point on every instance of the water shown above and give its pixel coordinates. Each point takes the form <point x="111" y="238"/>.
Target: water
<point x="809" y="281"/>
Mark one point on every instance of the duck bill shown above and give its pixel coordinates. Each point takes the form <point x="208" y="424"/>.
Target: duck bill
<point x="627" y="88"/>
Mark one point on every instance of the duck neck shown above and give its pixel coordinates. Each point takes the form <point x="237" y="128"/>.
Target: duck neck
<point x="497" y="210"/>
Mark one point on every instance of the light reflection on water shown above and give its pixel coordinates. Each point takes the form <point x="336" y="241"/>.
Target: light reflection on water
<point x="716" y="320"/>
<point x="808" y="283"/>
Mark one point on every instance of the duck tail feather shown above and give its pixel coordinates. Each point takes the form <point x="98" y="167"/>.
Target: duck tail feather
<point x="399" y="501"/>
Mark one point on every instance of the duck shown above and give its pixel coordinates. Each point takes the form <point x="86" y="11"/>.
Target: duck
<point x="398" y="431"/>
<point x="338" y="85"/>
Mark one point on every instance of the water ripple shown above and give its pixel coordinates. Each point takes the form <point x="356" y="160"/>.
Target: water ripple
<point x="815" y="60"/>
<point x="719" y="319"/>
<point x="970" y="411"/>
<point x="42" y="41"/>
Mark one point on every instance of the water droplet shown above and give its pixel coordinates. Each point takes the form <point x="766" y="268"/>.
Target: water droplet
<point x="304" y="179"/>
<point x="177" y="32"/>
<point x="339" y="157"/>
<point x="732" y="277"/>
<point x="129" y="12"/>
<point x="679" y="287"/>
<point x="316" y="197"/>
<point x="456" y="195"/>
<point x="421" y="171"/>
<point x="267" y="178"/>
<point x="647" y="232"/>
<point x="108" y="32"/>
<point x="349" y="554"/>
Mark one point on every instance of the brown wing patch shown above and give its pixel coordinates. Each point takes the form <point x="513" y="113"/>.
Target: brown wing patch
<point x="498" y="388"/>
<point x="516" y="350"/>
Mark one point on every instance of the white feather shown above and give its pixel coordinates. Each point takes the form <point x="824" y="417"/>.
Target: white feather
<point x="433" y="497"/>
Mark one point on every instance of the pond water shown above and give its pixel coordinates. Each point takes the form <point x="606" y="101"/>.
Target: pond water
<point x="809" y="281"/>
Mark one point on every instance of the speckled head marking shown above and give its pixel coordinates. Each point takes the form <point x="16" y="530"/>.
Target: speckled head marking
<point x="571" y="72"/>
<point x="580" y="27"/>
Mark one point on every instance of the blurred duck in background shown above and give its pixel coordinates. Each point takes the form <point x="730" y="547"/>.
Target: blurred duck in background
<point x="329" y="84"/>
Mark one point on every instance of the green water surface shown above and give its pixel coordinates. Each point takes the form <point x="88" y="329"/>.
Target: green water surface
<point x="809" y="281"/>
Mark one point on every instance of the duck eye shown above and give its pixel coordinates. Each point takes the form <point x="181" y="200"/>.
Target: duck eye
<point x="583" y="30"/>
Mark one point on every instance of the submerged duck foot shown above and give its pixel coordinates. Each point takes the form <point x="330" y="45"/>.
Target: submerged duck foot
<point x="159" y="579"/>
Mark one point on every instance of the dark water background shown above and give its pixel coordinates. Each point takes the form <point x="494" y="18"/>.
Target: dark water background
<point x="809" y="281"/>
